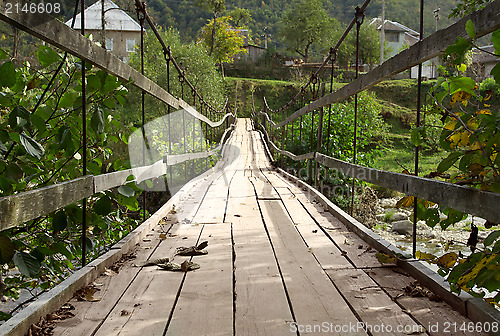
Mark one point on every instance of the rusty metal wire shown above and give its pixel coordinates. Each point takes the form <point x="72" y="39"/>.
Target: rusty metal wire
<point x="141" y="6"/>
<point x="332" y="55"/>
<point x="360" y="16"/>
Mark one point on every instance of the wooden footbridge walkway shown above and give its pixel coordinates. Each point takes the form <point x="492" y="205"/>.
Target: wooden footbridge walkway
<point x="277" y="264"/>
<point x="282" y="259"/>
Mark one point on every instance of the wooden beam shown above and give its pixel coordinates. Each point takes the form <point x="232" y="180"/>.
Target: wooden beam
<point x="29" y="205"/>
<point x="55" y="32"/>
<point x="485" y="21"/>
<point x="469" y="200"/>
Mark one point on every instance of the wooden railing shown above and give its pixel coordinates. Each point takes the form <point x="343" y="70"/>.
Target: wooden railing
<point x="462" y="198"/>
<point x="25" y="206"/>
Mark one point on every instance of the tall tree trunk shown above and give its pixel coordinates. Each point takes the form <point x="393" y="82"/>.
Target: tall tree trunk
<point x="222" y="68"/>
<point x="213" y="35"/>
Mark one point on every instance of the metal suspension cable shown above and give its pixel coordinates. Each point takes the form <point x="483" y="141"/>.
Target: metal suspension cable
<point x="142" y="7"/>
<point x="419" y="93"/>
<point x="331" y="55"/>
<point x="84" y="140"/>
<point x="360" y="16"/>
<point x="140" y="17"/>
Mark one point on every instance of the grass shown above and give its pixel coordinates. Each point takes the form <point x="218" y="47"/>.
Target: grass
<point x="391" y="156"/>
<point x="396" y="98"/>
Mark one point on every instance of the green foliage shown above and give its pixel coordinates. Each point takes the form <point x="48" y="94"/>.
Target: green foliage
<point x="227" y="42"/>
<point x="239" y="16"/>
<point x="199" y="69"/>
<point x="306" y="26"/>
<point x="40" y="135"/>
<point x="471" y="139"/>
<point x="465" y="7"/>
<point x="339" y="140"/>
<point x="188" y="19"/>
<point x="369" y="46"/>
<point x="212" y="6"/>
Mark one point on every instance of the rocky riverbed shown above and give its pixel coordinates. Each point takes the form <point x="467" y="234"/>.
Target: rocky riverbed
<point x="395" y="225"/>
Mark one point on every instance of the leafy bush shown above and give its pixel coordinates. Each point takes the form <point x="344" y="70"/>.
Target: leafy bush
<point x="192" y="58"/>
<point x="339" y="140"/>
<point x="471" y="138"/>
<point x="40" y="141"/>
<point x="489" y="84"/>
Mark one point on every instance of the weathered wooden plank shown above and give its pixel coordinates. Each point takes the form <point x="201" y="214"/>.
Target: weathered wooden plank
<point x="263" y="188"/>
<point x="373" y="305"/>
<point x="261" y="303"/>
<point x="470" y="200"/>
<point x="110" y="180"/>
<point x="429" y="313"/>
<point x="485" y="21"/>
<point x="22" y="207"/>
<point x="313" y="297"/>
<point x="328" y="255"/>
<point x="89" y="315"/>
<point x="205" y="304"/>
<point x="147" y="303"/>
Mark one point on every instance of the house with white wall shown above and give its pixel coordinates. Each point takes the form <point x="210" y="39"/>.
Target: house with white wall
<point x="121" y="33"/>
<point x="399" y="37"/>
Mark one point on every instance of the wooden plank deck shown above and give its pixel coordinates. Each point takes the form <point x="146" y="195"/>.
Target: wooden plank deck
<point x="277" y="264"/>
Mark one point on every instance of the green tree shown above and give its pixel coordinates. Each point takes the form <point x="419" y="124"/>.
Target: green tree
<point x="40" y="144"/>
<point x="199" y="68"/>
<point x="306" y="25"/>
<point x="215" y="7"/>
<point x="369" y="46"/>
<point x="239" y="16"/>
<point x="227" y="43"/>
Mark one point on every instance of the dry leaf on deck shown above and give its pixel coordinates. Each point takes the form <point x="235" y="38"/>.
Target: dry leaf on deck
<point x="153" y="262"/>
<point x="185" y="267"/>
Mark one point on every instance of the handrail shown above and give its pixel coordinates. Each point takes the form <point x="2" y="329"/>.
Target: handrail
<point x="302" y="157"/>
<point x="331" y="55"/>
<point x="25" y="206"/>
<point x="179" y="158"/>
<point x="192" y="111"/>
<point x="470" y="200"/>
<point x="49" y="29"/>
<point x="463" y="198"/>
<point x="485" y="21"/>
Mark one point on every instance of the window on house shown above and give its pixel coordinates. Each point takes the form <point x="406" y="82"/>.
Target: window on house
<point x="392" y="37"/>
<point x="130" y="45"/>
<point x="109" y="44"/>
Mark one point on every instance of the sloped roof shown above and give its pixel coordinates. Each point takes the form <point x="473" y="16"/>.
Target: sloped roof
<point x="479" y="56"/>
<point x="410" y="39"/>
<point x="393" y="26"/>
<point x="115" y="18"/>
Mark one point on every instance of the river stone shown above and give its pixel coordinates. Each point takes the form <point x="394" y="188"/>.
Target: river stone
<point x="387" y="202"/>
<point x="380" y="217"/>
<point x="399" y="216"/>
<point x="403" y="227"/>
